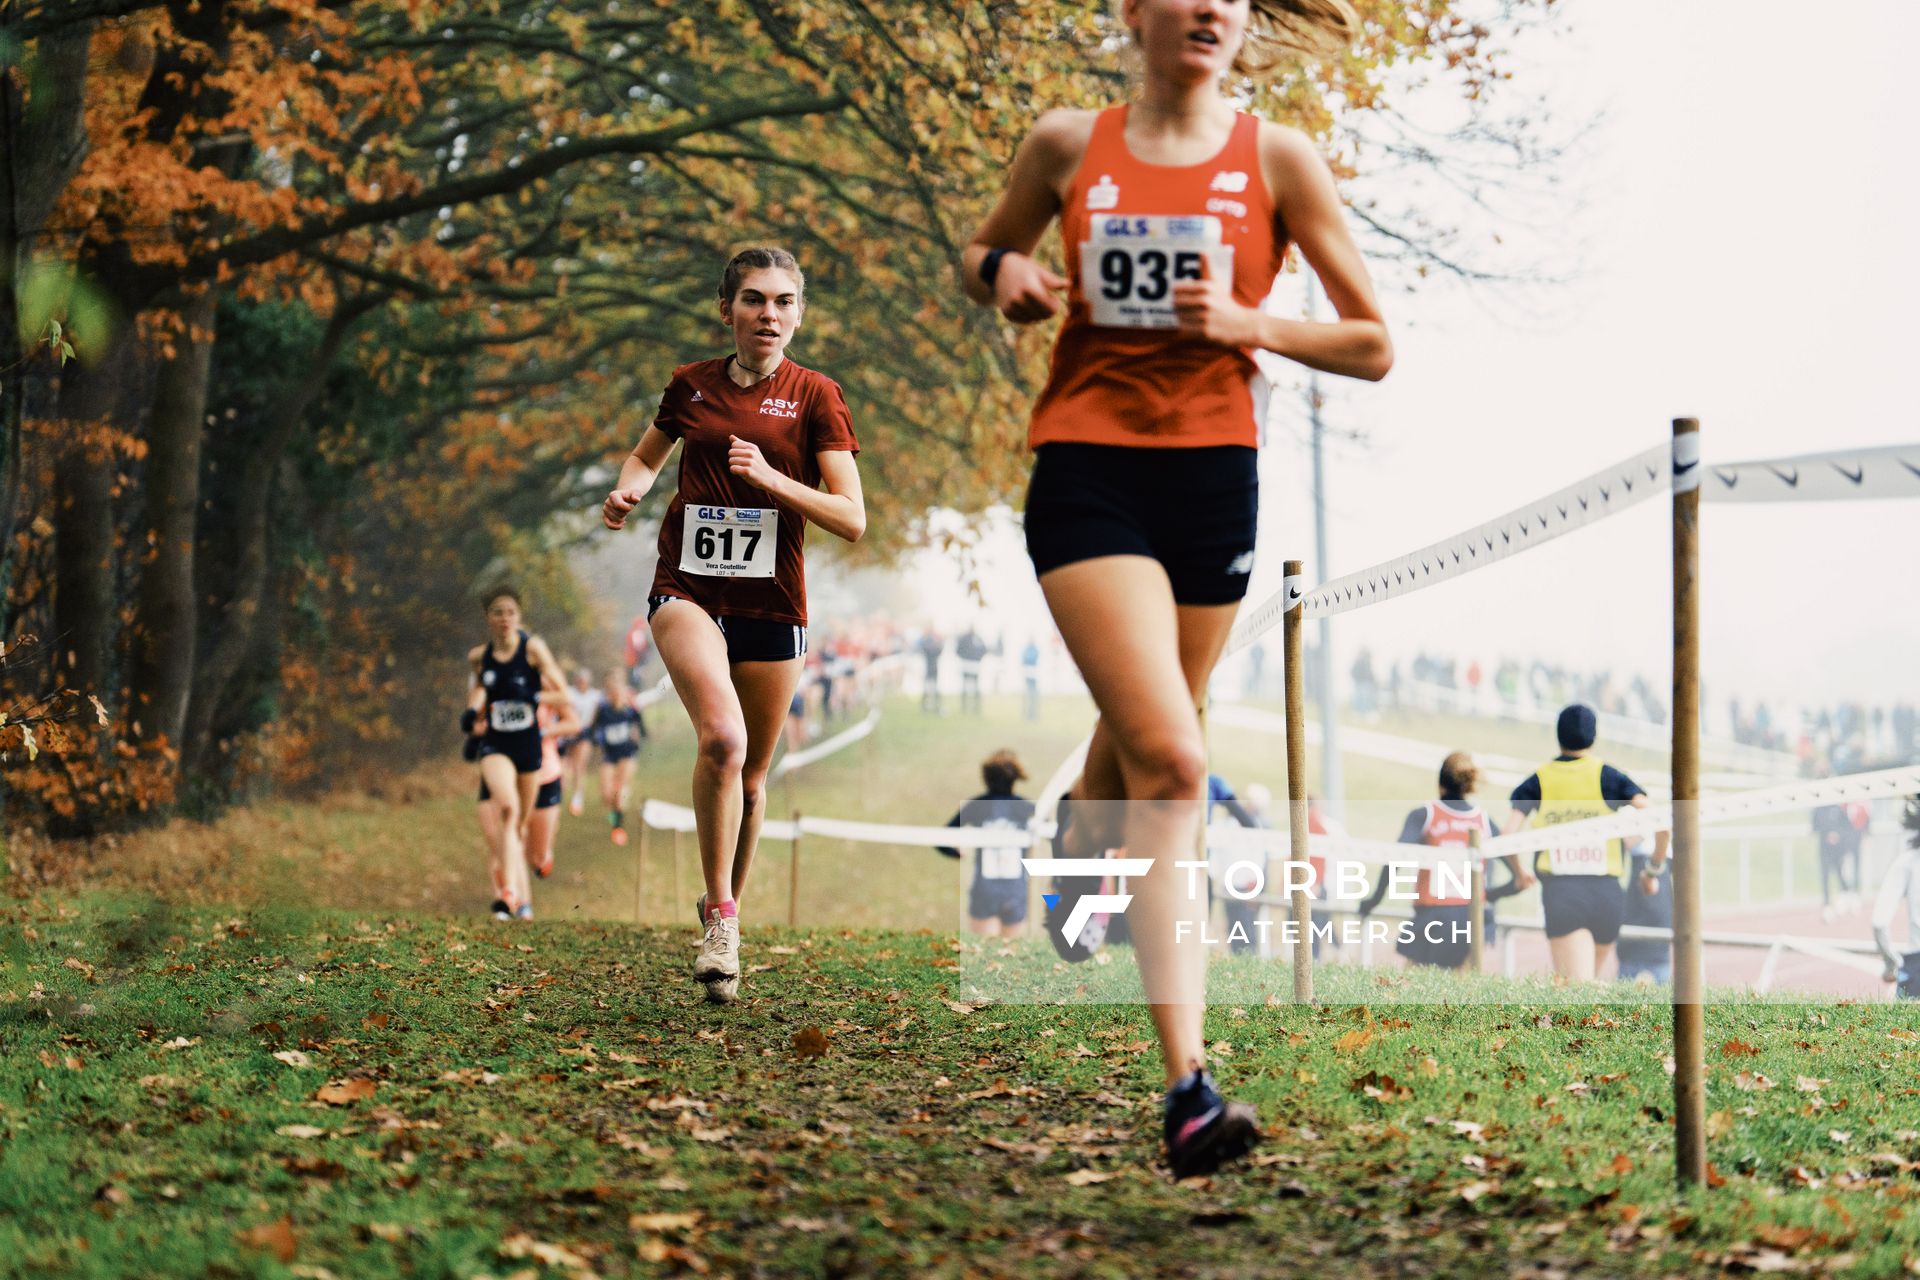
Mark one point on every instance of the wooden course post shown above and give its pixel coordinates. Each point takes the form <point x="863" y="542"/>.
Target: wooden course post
<point x="640" y="860"/>
<point x="1477" y="905"/>
<point x="1297" y="781"/>
<point x="1689" y="1033"/>
<point x="793" y="875"/>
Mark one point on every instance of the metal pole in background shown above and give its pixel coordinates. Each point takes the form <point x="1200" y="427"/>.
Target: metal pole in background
<point x="1333" y="787"/>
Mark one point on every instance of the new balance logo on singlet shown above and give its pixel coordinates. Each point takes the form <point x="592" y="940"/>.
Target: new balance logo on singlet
<point x="1234" y="181"/>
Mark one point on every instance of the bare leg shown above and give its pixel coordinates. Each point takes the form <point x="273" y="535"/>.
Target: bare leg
<point x="503" y="786"/>
<point x="695" y="653"/>
<point x="1144" y="658"/>
<point x="765" y="690"/>
<point x="1573" y="955"/>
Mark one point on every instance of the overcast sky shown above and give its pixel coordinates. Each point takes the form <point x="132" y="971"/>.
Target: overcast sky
<point x="1743" y="219"/>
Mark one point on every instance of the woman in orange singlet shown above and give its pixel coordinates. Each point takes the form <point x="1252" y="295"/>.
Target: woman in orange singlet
<point x="1176" y="212"/>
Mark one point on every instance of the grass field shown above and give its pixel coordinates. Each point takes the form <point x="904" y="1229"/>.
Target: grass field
<point x="288" y="1091"/>
<point x="412" y="843"/>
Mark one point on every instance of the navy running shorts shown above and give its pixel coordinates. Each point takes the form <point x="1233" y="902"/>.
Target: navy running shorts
<point x="1193" y="510"/>
<point x="751" y="639"/>
<point x="1594" y="903"/>
<point x="1002" y="900"/>
<point x="549" y="795"/>
<point x="522" y="747"/>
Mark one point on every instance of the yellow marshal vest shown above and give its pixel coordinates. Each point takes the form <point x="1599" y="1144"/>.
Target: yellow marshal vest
<point x="1569" y="792"/>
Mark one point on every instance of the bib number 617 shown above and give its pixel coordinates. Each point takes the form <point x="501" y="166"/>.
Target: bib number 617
<point x="710" y="543"/>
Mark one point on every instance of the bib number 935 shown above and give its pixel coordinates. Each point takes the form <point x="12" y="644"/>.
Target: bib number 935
<point x="1129" y="265"/>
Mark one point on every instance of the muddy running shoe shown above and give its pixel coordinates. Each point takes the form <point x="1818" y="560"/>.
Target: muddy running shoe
<point x="619" y="836"/>
<point x="719" y="950"/>
<point x="1067" y="892"/>
<point x="723" y="991"/>
<point x="525" y="912"/>
<point x="1204" y="1130"/>
<point x="500" y="909"/>
<point x="700" y="910"/>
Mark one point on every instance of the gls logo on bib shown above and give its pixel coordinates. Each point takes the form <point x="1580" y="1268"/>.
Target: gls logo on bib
<point x="781" y="408"/>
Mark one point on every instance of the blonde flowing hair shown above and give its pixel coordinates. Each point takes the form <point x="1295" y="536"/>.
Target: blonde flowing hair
<point x="1278" y="30"/>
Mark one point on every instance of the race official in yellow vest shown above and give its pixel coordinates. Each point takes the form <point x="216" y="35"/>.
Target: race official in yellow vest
<point x="1582" y="887"/>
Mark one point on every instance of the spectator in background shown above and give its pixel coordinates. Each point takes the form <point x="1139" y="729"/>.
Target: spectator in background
<point x="1241" y="915"/>
<point x="1366" y="689"/>
<point x="970" y="649"/>
<point x="931" y="646"/>
<point x="1649" y="904"/>
<point x="1833" y="828"/>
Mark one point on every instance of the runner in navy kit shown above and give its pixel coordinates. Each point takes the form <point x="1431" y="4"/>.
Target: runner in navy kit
<point x="997" y="896"/>
<point x="729" y="599"/>
<point x="618" y="729"/>
<point x="1175" y="211"/>
<point x="510" y="673"/>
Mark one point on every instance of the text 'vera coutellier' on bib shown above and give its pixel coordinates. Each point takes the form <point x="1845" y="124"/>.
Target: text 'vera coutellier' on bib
<point x="730" y="542"/>
<point x="1129" y="264"/>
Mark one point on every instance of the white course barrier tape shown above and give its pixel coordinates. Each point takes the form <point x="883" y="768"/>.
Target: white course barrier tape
<point x="1628" y="823"/>
<point x="1274" y="843"/>
<point x="826" y="747"/>
<point x="1892" y="471"/>
<point x="647" y="697"/>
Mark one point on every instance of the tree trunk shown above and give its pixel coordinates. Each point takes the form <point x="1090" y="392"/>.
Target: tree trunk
<point x="161" y="671"/>
<point x="233" y="636"/>
<point x="42" y="142"/>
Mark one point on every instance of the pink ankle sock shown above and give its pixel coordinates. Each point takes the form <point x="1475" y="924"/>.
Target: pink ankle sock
<point x="727" y="910"/>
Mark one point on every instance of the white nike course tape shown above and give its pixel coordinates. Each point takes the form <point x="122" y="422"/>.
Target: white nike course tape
<point x="1604" y="493"/>
<point x="1892" y="471"/>
<point x="1628" y="823"/>
<point x="647" y="697"/>
<point x="820" y="750"/>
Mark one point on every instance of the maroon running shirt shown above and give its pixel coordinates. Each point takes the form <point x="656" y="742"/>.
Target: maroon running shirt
<point x="792" y="415"/>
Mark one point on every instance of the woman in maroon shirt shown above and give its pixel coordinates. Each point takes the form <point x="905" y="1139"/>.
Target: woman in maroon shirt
<point x="729" y="600"/>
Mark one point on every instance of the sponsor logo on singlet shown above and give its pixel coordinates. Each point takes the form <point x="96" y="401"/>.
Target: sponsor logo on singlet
<point x="780" y="408"/>
<point x="1104" y="194"/>
<point x="486" y="678"/>
<point x="696" y="395"/>
<point x="1232" y="208"/>
<point x="1234" y="181"/>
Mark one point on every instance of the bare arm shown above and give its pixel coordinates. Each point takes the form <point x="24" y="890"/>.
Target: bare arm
<point x="637" y="474"/>
<point x="476" y="692"/>
<point x="1023" y="290"/>
<point x="841" y="510"/>
<point x="553" y="690"/>
<point x="1662" y="840"/>
<point x="1308" y="206"/>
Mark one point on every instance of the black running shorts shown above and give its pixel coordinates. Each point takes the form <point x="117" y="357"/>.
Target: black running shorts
<point x="1594" y="903"/>
<point x="521" y="746"/>
<point x="546" y="798"/>
<point x="1193" y="510"/>
<point x="751" y="639"/>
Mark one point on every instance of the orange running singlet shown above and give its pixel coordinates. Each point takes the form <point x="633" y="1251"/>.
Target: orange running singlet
<point x="1120" y="374"/>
